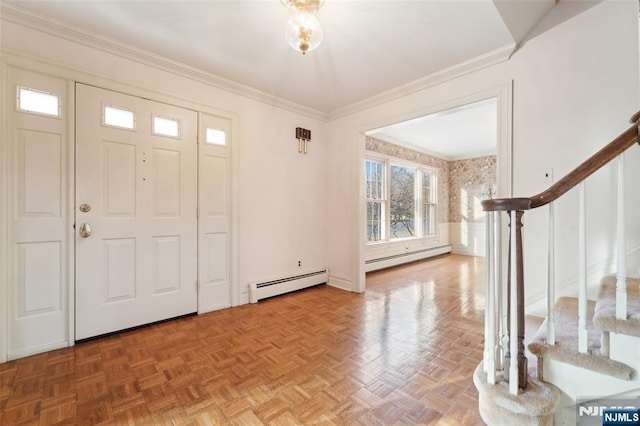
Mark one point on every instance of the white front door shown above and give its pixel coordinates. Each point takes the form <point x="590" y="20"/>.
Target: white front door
<point x="135" y="211"/>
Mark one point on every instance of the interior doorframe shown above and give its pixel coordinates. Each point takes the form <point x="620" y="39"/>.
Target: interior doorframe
<point x="4" y="213"/>
<point x="504" y="94"/>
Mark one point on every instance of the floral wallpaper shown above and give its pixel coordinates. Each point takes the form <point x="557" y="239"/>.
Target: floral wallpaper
<point x="469" y="183"/>
<point x="462" y="184"/>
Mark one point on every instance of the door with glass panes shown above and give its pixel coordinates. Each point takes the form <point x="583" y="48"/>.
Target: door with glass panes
<point x="135" y="211"/>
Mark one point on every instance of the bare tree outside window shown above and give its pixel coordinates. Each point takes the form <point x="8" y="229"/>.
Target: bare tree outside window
<point x="402" y="201"/>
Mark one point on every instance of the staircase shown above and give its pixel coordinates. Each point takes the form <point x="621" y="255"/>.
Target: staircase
<point x="583" y="348"/>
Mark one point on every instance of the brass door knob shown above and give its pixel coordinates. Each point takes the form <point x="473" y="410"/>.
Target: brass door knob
<point x="85" y="230"/>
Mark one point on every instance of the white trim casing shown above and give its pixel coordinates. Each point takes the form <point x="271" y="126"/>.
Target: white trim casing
<point x="70" y="203"/>
<point x="4" y="237"/>
<point x="236" y="298"/>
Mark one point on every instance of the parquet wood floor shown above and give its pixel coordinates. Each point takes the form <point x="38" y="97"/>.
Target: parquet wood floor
<point x="401" y="353"/>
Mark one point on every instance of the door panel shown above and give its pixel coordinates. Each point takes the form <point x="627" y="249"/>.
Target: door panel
<point x="37" y="220"/>
<point x="139" y="265"/>
<point x="215" y="218"/>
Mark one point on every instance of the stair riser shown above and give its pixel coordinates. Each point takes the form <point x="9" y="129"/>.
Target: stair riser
<point x="581" y="383"/>
<point x="625" y="349"/>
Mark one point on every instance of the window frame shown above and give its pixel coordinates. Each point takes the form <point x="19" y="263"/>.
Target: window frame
<point x="420" y="171"/>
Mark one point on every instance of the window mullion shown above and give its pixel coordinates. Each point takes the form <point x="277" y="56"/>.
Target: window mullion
<point x="418" y="203"/>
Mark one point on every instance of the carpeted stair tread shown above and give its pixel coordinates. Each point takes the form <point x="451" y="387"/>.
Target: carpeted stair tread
<point x="566" y="347"/>
<point x="604" y="317"/>
<point x="532" y="406"/>
<point x="531" y="326"/>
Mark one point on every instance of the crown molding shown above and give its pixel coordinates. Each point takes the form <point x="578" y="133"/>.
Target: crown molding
<point x="386" y="138"/>
<point x="494" y="57"/>
<point x="16" y="15"/>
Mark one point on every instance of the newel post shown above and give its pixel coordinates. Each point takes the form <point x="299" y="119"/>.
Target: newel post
<point x="518" y="369"/>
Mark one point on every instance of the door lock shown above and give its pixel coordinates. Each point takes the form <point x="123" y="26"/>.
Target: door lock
<point x="85" y="230"/>
<point x="85" y="208"/>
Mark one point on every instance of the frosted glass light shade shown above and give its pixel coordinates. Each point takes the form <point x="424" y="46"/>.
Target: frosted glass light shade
<point x="303" y="32"/>
<point x="309" y="6"/>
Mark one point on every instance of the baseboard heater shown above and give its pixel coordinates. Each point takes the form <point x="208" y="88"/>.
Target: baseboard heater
<point x="279" y="286"/>
<point x="398" y="259"/>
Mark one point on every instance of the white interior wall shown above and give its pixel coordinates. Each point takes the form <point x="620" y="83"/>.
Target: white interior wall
<point x="574" y="87"/>
<point x="279" y="193"/>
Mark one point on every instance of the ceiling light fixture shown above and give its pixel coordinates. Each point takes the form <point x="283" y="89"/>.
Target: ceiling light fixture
<point x="303" y="31"/>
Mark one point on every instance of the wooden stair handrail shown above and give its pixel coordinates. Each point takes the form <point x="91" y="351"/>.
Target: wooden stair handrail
<point x="577" y="175"/>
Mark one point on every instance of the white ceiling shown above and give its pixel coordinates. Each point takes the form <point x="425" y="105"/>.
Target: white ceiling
<point x="462" y="132"/>
<point x="370" y="48"/>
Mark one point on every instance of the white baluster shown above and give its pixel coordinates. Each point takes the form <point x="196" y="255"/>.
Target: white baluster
<point x="491" y="302"/>
<point x="499" y="298"/>
<point x="551" y="282"/>
<point x="513" y="311"/>
<point x="621" y="282"/>
<point x="582" y="273"/>
<point x="487" y="309"/>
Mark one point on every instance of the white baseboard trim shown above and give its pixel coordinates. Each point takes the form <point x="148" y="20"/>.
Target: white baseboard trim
<point x="244" y="297"/>
<point x="341" y="282"/>
<point x="464" y="250"/>
<point x="37" y="350"/>
<point x="387" y="262"/>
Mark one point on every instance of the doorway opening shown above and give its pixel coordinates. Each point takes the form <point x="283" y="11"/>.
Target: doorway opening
<point x="423" y="179"/>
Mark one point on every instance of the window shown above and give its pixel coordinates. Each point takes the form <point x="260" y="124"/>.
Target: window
<point x="216" y="137"/>
<point x="166" y="127"/>
<point x="118" y="117"/>
<point x="375" y="199"/>
<point x="401" y="200"/>
<point x="38" y="102"/>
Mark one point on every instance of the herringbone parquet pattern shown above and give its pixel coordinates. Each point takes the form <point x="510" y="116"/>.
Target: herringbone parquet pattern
<point x="402" y="353"/>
